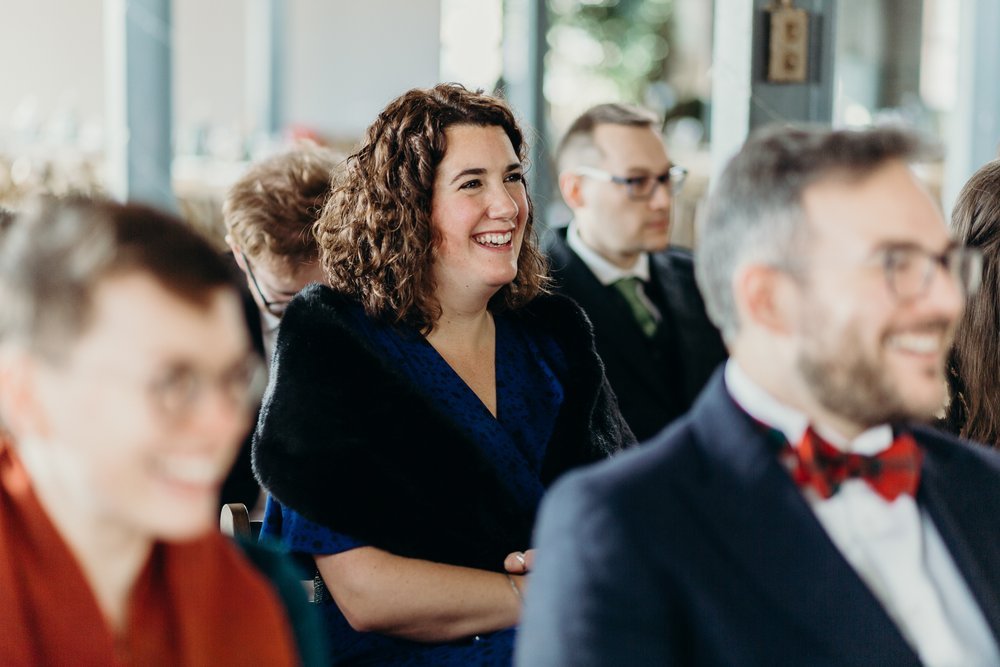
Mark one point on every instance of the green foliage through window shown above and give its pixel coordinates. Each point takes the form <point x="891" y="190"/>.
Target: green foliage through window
<point x="622" y="42"/>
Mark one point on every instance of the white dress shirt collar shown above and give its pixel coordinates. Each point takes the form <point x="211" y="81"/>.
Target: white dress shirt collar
<point x="606" y="272"/>
<point x="766" y="409"/>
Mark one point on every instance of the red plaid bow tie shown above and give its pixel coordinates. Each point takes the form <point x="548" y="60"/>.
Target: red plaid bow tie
<point x="818" y="465"/>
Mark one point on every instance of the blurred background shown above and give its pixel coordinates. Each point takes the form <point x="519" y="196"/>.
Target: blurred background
<point x="167" y="100"/>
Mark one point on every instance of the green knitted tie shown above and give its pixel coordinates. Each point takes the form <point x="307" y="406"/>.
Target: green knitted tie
<point x="629" y="288"/>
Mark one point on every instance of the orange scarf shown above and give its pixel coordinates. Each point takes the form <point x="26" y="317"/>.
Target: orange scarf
<point x="197" y="603"/>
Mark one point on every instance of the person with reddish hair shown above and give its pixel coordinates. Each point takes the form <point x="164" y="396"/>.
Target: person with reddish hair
<point x="269" y="213"/>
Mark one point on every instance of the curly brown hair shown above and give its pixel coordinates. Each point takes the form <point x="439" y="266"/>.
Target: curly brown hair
<point x="271" y="209"/>
<point x="375" y="235"/>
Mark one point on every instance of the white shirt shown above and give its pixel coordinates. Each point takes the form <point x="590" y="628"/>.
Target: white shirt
<point x="606" y="272"/>
<point x="894" y="546"/>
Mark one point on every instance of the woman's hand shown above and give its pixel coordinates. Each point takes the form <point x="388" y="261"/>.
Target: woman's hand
<point x="519" y="562"/>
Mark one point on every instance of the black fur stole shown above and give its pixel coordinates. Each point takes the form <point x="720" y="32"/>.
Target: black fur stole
<point x="348" y="442"/>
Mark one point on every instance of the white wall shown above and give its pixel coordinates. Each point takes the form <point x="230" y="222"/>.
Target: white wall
<point x="209" y="57"/>
<point x="344" y="59"/>
<point x="52" y="52"/>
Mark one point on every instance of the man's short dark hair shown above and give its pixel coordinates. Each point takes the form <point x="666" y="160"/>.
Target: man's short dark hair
<point x="59" y="250"/>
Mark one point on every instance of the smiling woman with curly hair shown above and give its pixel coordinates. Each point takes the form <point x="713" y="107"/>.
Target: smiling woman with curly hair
<point x="389" y="187"/>
<point x="422" y="402"/>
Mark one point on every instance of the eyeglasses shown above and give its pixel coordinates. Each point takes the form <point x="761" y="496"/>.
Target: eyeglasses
<point x="909" y="269"/>
<point x="641" y="188"/>
<point x="176" y="392"/>
<point x="276" y="308"/>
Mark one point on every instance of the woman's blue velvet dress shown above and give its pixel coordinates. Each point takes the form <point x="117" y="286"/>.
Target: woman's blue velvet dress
<point x="529" y="395"/>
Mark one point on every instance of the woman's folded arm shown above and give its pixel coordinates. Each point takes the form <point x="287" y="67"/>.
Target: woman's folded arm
<point x="417" y="599"/>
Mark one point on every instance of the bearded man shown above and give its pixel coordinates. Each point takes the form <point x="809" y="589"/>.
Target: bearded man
<point x="799" y="514"/>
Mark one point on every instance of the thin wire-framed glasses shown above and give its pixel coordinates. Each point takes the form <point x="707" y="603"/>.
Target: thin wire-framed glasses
<point x="275" y="307"/>
<point x="909" y="269"/>
<point x="173" y="393"/>
<point x="641" y="187"/>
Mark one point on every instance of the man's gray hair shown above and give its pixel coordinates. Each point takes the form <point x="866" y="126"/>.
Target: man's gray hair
<point x="755" y="212"/>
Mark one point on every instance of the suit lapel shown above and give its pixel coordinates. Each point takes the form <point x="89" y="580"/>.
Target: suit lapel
<point x="695" y="344"/>
<point x="967" y="527"/>
<point x="613" y="322"/>
<point x="755" y="510"/>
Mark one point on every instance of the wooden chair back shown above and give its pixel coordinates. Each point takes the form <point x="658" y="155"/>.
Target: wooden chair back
<point x="234" y="521"/>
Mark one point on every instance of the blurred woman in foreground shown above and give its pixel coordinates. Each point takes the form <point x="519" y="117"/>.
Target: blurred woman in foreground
<point x="126" y="383"/>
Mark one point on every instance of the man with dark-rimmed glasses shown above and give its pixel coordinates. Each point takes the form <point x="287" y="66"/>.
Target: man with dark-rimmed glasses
<point x="804" y="511"/>
<point x="657" y="344"/>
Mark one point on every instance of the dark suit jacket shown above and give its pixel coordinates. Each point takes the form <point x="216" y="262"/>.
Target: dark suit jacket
<point x="698" y="549"/>
<point x="656" y="380"/>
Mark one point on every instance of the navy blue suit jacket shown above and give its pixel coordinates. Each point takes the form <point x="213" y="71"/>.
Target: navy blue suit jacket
<point x="698" y="549"/>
